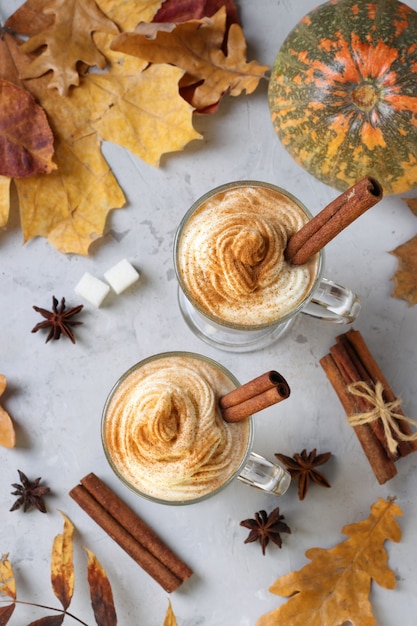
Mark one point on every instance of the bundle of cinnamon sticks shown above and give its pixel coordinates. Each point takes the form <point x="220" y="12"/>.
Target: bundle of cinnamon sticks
<point x="132" y="534"/>
<point x="349" y="364"/>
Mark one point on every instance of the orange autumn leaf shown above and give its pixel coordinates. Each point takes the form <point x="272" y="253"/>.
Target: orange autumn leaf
<point x="62" y="567"/>
<point x="67" y="42"/>
<point x="100" y="592"/>
<point x="405" y="277"/>
<point x="170" y="619"/>
<point x="334" y="587"/>
<point x="7" y="432"/>
<point x="196" y="47"/>
<point x="26" y="140"/>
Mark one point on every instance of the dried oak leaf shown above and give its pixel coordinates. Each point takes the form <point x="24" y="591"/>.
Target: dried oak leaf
<point x="7" y="432"/>
<point x="100" y="592"/>
<point x="26" y="139"/>
<point x="196" y="47"/>
<point x="334" y="587"/>
<point x="405" y="277"/>
<point x="29" y="19"/>
<point x="128" y="13"/>
<point x="67" y="42"/>
<point x="62" y="566"/>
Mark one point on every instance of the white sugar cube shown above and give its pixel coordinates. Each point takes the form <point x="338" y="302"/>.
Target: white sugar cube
<point x="92" y="289"/>
<point x="121" y="276"/>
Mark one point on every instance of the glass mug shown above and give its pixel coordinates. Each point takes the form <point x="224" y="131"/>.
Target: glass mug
<point x="165" y="438"/>
<point x="236" y="292"/>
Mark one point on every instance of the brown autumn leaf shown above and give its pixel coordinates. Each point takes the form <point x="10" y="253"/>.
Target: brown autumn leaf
<point x="67" y="42"/>
<point x="62" y="566"/>
<point x="49" y="620"/>
<point x="405" y="277"/>
<point x="6" y="613"/>
<point x="170" y="619"/>
<point x="100" y="592"/>
<point x="334" y="587"/>
<point x="29" y="19"/>
<point x="26" y="139"/>
<point x="196" y="47"/>
<point x="7" y="432"/>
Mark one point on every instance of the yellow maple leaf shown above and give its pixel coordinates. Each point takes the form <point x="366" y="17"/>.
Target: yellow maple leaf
<point x="141" y="109"/>
<point x="196" y="47"/>
<point x="67" y="42"/>
<point x="334" y="587"/>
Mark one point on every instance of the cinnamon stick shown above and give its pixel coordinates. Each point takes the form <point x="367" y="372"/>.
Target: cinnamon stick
<point x="120" y="533"/>
<point x="255" y="395"/>
<point x="371" y="366"/>
<point x="331" y="220"/>
<point x="352" y="371"/>
<point x="383" y="467"/>
<point x="139" y="530"/>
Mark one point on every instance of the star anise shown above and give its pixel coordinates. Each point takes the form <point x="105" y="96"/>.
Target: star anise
<point x="303" y="466"/>
<point x="265" y="528"/>
<point x="58" y="320"/>
<point x="30" y="494"/>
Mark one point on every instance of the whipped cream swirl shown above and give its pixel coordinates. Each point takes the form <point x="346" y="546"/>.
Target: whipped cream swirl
<point x="164" y="432"/>
<point x="230" y="256"/>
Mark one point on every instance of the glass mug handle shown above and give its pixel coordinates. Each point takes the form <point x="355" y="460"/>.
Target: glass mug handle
<point x="333" y="303"/>
<point x="262" y="474"/>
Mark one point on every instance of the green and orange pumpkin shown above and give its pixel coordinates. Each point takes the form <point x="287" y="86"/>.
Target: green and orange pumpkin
<point x="343" y="93"/>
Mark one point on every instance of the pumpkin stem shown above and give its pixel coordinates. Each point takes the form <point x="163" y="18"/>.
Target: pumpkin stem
<point x="365" y="97"/>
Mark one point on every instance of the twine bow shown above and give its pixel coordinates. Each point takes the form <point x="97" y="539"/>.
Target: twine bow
<point x="385" y="411"/>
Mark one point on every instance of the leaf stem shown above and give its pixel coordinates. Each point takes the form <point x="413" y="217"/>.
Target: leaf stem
<point x="49" y="608"/>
